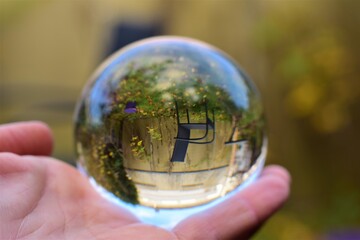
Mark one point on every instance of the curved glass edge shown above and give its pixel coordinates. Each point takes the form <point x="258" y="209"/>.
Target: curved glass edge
<point x="169" y="218"/>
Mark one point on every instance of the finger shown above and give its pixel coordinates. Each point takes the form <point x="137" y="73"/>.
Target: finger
<point x="238" y="216"/>
<point x="26" y="138"/>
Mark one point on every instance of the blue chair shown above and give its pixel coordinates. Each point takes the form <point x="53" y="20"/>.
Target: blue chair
<point x="183" y="135"/>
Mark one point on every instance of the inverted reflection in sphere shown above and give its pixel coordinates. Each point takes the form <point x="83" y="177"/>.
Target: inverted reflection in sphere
<point x="169" y="123"/>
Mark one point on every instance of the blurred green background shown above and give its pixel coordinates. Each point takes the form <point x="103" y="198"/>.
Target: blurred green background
<point x="304" y="57"/>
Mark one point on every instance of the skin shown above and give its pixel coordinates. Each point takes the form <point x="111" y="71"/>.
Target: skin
<point x="44" y="198"/>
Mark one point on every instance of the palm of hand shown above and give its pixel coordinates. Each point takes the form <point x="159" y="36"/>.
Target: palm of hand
<point x="43" y="198"/>
<point x="50" y="200"/>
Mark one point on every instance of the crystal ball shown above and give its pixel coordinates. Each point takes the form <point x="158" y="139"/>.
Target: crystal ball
<point x="169" y="122"/>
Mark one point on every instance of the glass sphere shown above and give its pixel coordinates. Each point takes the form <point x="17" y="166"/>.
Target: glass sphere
<point x="169" y="122"/>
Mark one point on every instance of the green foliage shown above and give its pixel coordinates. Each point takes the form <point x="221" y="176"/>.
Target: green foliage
<point x="138" y="85"/>
<point x="137" y="147"/>
<point x="154" y="133"/>
<point x="114" y="173"/>
<point x="81" y="128"/>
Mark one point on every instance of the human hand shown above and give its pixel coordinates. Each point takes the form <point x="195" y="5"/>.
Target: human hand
<point x="44" y="198"/>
